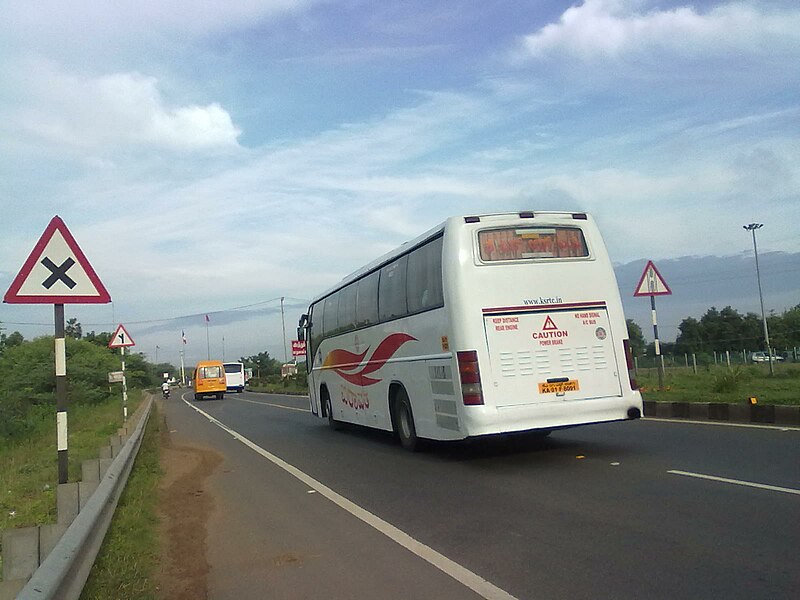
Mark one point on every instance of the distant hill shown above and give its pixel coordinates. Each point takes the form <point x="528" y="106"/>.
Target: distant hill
<point x="700" y="282"/>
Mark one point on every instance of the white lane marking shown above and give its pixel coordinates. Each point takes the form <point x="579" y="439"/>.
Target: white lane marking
<point x="461" y="574"/>
<point x="270" y="404"/>
<point x="763" y="486"/>
<point x="724" y="424"/>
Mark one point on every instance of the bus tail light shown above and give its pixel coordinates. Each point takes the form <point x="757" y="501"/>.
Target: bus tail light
<point x="629" y="361"/>
<point x="471" y="391"/>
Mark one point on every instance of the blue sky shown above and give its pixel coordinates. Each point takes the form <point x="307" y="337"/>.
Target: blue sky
<point x="282" y="144"/>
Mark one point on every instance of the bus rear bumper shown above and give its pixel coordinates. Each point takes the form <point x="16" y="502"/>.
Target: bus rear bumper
<point x="550" y="415"/>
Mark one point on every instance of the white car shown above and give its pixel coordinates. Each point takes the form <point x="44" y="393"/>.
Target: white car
<point x="763" y="357"/>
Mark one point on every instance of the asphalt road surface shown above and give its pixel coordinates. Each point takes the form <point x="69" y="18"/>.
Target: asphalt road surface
<point x="645" y="509"/>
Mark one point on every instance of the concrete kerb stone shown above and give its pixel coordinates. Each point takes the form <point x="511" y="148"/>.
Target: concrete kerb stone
<point x="699" y="411"/>
<point x="85" y="491"/>
<point x="787" y="415"/>
<point x="67" y="502"/>
<point x="48" y="538"/>
<point x="680" y="410"/>
<point x="90" y="470"/>
<point x="718" y="411"/>
<point x="104" y="464"/>
<point x="20" y="552"/>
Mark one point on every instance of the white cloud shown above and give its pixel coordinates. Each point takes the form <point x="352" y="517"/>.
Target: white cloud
<point x="81" y="20"/>
<point x="111" y="111"/>
<point x="598" y="30"/>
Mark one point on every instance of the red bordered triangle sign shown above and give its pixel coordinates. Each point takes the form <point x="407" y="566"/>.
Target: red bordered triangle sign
<point x="57" y="272"/>
<point x="652" y="283"/>
<point x="121" y="338"/>
<point x="549" y="325"/>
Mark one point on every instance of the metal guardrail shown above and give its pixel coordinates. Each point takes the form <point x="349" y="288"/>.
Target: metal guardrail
<point x="64" y="572"/>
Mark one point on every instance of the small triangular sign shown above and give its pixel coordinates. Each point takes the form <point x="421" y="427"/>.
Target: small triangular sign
<point x="121" y="338"/>
<point x="652" y="283"/>
<point x="57" y="272"/>
<point x="549" y="325"/>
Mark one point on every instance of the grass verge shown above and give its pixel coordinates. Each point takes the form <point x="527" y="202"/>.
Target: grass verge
<point x="29" y="467"/>
<point x="126" y="565"/>
<point x="721" y="384"/>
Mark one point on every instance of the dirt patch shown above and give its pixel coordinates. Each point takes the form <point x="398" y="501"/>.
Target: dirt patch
<point x="184" y="507"/>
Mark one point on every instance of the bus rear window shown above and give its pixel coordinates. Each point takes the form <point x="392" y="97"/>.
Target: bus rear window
<point x="210" y="372"/>
<point x="522" y="243"/>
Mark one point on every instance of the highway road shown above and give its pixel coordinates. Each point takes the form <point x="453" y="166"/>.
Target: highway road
<point x="645" y="509"/>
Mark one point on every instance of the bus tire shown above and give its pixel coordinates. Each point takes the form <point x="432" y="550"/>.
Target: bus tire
<point x="220" y="395"/>
<point x="404" y="419"/>
<point x="332" y="423"/>
<point x="197" y="397"/>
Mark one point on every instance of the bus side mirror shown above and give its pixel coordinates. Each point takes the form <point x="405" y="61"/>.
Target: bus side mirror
<point x="302" y="325"/>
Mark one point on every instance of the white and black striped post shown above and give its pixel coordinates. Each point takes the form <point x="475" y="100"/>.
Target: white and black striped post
<point x="124" y="389"/>
<point x="657" y="345"/>
<point x="61" y="395"/>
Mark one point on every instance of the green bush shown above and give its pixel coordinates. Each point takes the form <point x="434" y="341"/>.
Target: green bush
<point x="728" y="381"/>
<point x="27" y="381"/>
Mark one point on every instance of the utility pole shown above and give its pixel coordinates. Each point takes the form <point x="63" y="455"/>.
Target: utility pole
<point x="283" y="321"/>
<point x="752" y="229"/>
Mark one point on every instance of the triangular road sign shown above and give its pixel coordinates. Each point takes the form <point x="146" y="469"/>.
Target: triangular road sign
<point x="652" y="283"/>
<point x="121" y="338"/>
<point x="57" y="272"/>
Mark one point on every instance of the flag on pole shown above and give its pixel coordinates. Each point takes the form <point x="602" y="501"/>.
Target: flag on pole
<point x="207" y="319"/>
<point x="183" y="336"/>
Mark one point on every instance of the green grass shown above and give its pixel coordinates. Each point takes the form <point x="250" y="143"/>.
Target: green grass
<point x="721" y="384"/>
<point x="29" y="467"/>
<point x="126" y="565"/>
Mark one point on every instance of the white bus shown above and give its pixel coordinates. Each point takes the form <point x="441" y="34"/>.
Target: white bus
<point x="235" y="376"/>
<point x="483" y="325"/>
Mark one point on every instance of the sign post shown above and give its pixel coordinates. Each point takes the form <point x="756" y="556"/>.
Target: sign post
<point x="57" y="272"/>
<point x="122" y="339"/>
<point x="652" y="284"/>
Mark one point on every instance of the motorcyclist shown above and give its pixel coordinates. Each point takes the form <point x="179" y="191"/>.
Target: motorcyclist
<point x="165" y="389"/>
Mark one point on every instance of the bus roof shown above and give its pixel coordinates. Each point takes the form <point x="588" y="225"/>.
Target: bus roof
<point x="434" y="231"/>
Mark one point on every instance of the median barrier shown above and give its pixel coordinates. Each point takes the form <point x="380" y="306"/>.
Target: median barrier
<point x="767" y="414"/>
<point x="58" y="557"/>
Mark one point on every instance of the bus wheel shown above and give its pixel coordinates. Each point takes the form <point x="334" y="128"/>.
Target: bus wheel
<point x="197" y="397"/>
<point x="332" y="423"/>
<point x="220" y="396"/>
<point x="404" y="420"/>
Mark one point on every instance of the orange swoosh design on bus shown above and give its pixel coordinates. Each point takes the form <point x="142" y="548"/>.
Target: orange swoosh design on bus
<point x="345" y="363"/>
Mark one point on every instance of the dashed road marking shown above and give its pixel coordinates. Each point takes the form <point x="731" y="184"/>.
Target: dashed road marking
<point x="762" y="486"/>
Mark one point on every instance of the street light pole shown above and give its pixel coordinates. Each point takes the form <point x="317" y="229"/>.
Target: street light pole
<point x="752" y="229"/>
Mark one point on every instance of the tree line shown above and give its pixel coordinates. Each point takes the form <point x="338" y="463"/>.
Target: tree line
<point x="27" y="375"/>
<point x="726" y="329"/>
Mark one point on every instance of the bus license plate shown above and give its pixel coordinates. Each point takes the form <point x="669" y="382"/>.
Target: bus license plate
<point x="559" y="387"/>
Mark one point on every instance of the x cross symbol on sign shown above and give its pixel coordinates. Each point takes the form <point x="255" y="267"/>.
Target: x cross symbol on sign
<point x="58" y="273"/>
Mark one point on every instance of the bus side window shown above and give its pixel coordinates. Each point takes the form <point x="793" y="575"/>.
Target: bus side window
<point x="367" y="300"/>
<point x="392" y="290"/>
<point x="347" y="308"/>
<point x="315" y="330"/>
<point x="330" y="318"/>
<point x="425" y="277"/>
